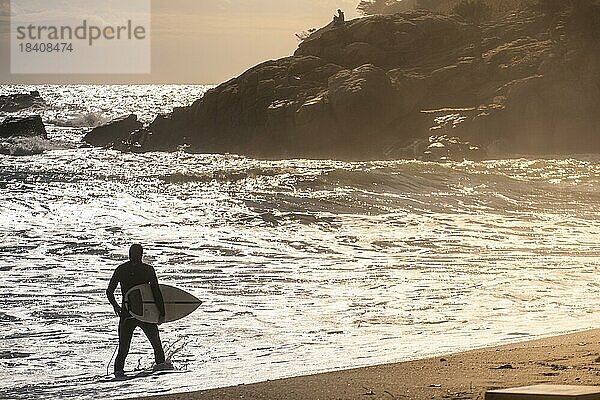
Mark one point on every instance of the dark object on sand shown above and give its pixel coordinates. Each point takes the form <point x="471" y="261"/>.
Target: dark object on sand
<point x="17" y="102"/>
<point x="543" y="392"/>
<point x="506" y="366"/>
<point x="23" y="126"/>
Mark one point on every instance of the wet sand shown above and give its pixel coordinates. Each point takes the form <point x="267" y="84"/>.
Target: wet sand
<point x="570" y="359"/>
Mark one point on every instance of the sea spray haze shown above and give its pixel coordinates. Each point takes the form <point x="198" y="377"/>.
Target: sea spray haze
<point x="303" y="265"/>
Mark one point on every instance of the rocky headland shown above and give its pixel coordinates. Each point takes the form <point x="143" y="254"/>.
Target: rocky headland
<point x="415" y="84"/>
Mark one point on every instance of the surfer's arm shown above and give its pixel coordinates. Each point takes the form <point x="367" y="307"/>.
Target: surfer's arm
<point x="110" y="293"/>
<point x="157" y="294"/>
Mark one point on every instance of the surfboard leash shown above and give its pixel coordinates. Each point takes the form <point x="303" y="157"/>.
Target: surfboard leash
<point x="111" y="358"/>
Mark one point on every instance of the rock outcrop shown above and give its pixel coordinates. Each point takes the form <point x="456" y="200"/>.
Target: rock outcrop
<point x="117" y="133"/>
<point x="17" y="102"/>
<point x="440" y="149"/>
<point x="377" y="85"/>
<point x="31" y="126"/>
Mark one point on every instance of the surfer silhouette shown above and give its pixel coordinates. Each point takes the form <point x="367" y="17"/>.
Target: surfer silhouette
<point x="132" y="273"/>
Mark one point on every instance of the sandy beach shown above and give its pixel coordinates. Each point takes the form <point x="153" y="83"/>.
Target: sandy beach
<point x="569" y="359"/>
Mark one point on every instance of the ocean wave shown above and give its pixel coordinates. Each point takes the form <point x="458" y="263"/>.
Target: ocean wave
<point x="366" y="252"/>
<point x="221" y="175"/>
<point x="28" y="146"/>
<point x="86" y="120"/>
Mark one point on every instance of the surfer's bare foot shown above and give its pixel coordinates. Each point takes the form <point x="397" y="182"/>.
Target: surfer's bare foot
<point x="120" y="375"/>
<point x="166" y="366"/>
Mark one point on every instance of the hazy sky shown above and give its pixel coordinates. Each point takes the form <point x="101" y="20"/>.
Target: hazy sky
<point x="204" y="41"/>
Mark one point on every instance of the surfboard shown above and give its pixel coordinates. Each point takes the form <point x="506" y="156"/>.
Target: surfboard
<point x="140" y="303"/>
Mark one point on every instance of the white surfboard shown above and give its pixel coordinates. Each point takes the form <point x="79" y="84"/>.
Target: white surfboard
<point x="140" y="303"/>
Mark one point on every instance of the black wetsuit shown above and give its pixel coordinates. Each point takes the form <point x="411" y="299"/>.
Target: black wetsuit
<point x="129" y="275"/>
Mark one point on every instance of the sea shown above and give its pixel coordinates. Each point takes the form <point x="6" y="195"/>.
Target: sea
<point x="303" y="265"/>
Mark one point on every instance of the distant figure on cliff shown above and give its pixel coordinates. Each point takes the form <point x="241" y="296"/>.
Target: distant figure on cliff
<point x="339" y="19"/>
<point x="134" y="272"/>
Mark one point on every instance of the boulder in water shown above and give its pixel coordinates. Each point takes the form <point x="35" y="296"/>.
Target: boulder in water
<point x="136" y="142"/>
<point x="163" y="135"/>
<point x="31" y="126"/>
<point x="114" y="133"/>
<point x="17" y="102"/>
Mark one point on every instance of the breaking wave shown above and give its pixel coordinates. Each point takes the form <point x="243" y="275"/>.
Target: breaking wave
<point x="28" y="146"/>
<point x="87" y="120"/>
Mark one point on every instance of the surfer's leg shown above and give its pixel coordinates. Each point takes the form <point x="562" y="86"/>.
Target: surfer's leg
<point x="151" y="331"/>
<point x="126" y="328"/>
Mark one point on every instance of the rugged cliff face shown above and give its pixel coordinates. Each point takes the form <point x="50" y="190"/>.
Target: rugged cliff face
<point x="386" y="7"/>
<point x="380" y="86"/>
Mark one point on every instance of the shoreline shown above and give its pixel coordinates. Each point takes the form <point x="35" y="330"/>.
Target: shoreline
<point x="570" y="359"/>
